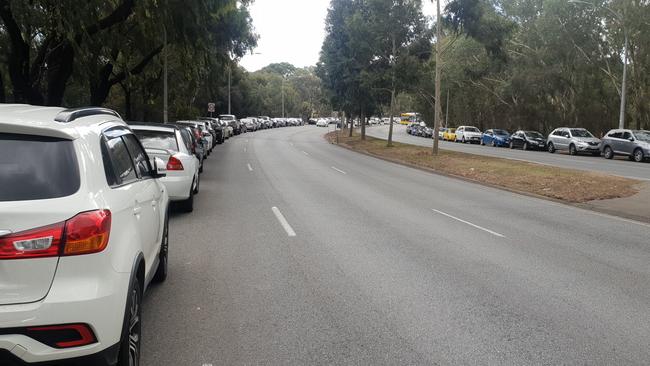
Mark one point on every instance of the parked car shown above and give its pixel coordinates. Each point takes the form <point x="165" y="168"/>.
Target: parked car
<point x="527" y="140"/>
<point x="425" y="131"/>
<point x="449" y="134"/>
<point x="219" y="137"/>
<point x="200" y="135"/>
<point x="83" y="231"/>
<point x="469" y="134"/>
<point x="411" y="128"/>
<point x="250" y="124"/>
<point x="574" y="140"/>
<point x="322" y="123"/>
<point x="635" y="144"/>
<point x="496" y="137"/>
<point x="441" y="133"/>
<point x="232" y="121"/>
<point x="167" y="143"/>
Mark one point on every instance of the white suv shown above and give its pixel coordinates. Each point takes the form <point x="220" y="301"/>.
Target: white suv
<point x="83" y="230"/>
<point x="469" y="134"/>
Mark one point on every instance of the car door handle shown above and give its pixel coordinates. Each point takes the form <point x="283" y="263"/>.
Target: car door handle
<point x="137" y="210"/>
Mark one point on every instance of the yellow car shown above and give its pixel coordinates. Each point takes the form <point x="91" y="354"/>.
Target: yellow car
<point x="449" y="135"/>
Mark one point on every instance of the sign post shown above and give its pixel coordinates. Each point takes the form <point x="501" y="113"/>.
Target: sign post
<point x="211" y="108"/>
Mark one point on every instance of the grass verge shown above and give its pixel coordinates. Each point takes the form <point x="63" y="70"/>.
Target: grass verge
<point x="567" y="185"/>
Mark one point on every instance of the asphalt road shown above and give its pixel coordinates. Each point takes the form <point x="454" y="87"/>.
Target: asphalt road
<point x="389" y="266"/>
<point x="621" y="166"/>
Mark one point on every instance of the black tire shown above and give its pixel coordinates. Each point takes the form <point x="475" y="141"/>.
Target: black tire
<point x="638" y="155"/>
<point x="608" y="153"/>
<point x="201" y="167"/>
<point x="161" y="271"/>
<point x="551" y="148"/>
<point x="188" y="204"/>
<point x="198" y="182"/>
<point x="573" y="150"/>
<point x="130" y="343"/>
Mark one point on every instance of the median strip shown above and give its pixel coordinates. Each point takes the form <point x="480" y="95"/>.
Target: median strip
<point x="567" y="185"/>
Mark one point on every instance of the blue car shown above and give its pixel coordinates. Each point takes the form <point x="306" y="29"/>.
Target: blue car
<point x="496" y="138"/>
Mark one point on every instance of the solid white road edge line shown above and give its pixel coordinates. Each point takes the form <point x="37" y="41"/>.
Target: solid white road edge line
<point x="339" y="170"/>
<point x="469" y="223"/>
<point x="250" y="168"/>
<point x="283" y="221"/>
<point x="306" y="153"/>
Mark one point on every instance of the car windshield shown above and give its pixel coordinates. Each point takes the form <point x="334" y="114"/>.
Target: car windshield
<point x="501" y="132"/>
<point x="157" y="139"/>
<point x="35" y="168"/>
<point x="471" y="129"/>
<point x="642" y="135"/>
<point x="534" y="134"/>
<point x="579" y="132"/>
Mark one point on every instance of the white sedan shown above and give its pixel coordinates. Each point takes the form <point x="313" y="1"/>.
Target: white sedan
<point x="167" y="143"/>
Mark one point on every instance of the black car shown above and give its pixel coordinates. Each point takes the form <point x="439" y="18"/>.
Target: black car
<point x="412" y="129"/>
<point x="528" y="140"/>
<point x="216" y="127"/>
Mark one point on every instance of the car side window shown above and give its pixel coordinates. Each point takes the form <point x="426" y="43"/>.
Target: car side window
<point x="557" y="133"/>
<point x="140" y="159"/>
<point x="566" y="134"/>
<point x="626" y="136"/>
<point x="122" y="170"/>
<point x="615" y="135"/>
<point x="187" y="140"/>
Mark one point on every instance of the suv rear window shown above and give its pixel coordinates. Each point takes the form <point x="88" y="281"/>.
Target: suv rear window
<point x="35" y="168"/>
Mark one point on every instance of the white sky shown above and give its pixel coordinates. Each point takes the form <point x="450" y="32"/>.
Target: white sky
<point x="291" y="31"/>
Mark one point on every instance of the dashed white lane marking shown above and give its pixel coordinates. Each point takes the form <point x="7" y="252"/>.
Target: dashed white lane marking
<point x="469" y="223"/>
<point x="339" y="170"/>
<point x="283" y="221"/>
<point x="250" y="168"/>
<point x="306" y="153"/>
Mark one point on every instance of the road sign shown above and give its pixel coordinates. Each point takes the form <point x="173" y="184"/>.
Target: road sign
<point x="211" y="107"/>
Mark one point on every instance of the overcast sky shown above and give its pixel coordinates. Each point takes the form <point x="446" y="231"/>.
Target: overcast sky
<point x="291" y="31"/>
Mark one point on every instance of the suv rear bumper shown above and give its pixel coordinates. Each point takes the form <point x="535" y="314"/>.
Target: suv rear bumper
<point x="97" y="299"/>
<point x="107" y="357"/>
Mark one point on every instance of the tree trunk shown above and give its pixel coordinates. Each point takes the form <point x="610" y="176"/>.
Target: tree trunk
<point x="437" y="109"/>
<point x="363" y="123"/>
<point x="127" y="102"/>
<point x="2" y="90"/>
<point x="60" y="66"/>
<point x="350" y="123"/>
<point x="392" y="113"/>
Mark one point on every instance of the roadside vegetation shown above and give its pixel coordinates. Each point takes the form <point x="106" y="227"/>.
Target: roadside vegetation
<point x="573" y="186"/>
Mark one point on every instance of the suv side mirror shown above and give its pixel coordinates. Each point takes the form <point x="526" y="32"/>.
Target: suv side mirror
<point x="159" y="168"/>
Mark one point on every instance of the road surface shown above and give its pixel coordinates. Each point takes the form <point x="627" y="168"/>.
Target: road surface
<point x="299" y="252"/>
<point x="620" y="166"/>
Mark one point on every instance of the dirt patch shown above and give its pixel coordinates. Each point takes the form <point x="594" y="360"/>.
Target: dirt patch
<point x="568" y="185"/>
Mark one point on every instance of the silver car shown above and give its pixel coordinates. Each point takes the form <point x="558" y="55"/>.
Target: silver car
<point x="634" y="144"/>
<point x="573" y="140"/>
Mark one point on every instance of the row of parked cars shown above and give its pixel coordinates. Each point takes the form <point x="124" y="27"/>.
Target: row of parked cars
<point x="635" y="144"/>
<point x="84" y="225"/>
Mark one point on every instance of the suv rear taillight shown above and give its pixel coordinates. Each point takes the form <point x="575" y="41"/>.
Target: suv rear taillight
<point x="83" y="234"/>
<point x="63" y="336"/>
<point x="174" y="163"/>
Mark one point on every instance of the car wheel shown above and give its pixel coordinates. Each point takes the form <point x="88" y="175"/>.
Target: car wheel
<point x="573" y="150"/>
<point x="161" y="272"/>
<point x="525" y="146"/>
<point x="512" y="145"/>
<point x="198" y="182"/>
<point x="188" y="204"/>
<point x="551" y="148"/>
<point x="130" y="342"/>
<point x="201" y="167"/>
<point x="638" y="156"/>
<point x="608" y="152"/>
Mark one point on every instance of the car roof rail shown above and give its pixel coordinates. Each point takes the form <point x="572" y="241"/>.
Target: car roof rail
<point x="69" y="115"/>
